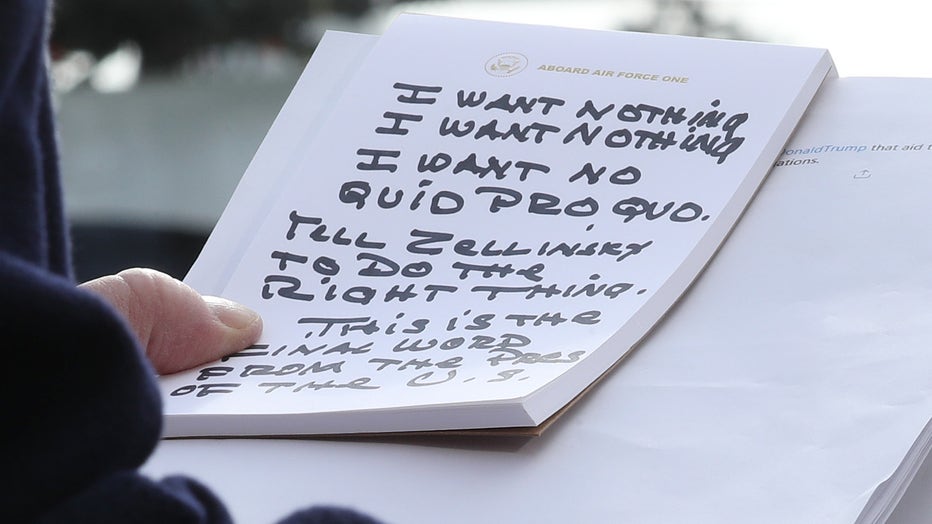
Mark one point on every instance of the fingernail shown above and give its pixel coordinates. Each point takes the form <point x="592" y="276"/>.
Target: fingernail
<point x="231" y="314"/>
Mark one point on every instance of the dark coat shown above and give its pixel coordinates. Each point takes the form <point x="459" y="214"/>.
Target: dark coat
<point x="81" y="401"/>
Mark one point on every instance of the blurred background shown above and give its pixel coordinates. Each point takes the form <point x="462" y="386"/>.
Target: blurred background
<point x="162" y="103"/>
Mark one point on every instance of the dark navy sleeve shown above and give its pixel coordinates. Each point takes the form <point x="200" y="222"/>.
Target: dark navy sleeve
<point x="80" y="401"/>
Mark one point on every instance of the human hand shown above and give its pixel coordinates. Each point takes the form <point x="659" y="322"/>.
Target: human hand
<point x="175" y="325"/>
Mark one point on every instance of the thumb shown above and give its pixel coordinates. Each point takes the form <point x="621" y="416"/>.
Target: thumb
<point x="177" y="327"/>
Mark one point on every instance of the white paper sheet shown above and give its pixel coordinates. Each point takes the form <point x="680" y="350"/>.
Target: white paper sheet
<point x="788" y="384"/>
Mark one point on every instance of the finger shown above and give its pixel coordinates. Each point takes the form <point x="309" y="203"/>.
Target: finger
<point x="177" y="327"/>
